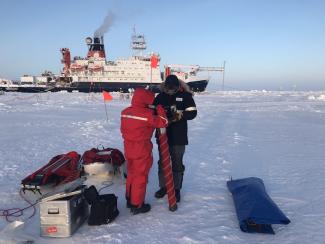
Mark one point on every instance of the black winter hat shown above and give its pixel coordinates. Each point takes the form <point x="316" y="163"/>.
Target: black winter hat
<point x="172" y="81"/>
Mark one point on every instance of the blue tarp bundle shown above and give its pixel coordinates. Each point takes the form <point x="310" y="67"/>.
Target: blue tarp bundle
<point x="255" y="209"/>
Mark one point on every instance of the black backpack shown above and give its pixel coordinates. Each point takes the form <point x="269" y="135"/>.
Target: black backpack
<point x="103" y="208"/>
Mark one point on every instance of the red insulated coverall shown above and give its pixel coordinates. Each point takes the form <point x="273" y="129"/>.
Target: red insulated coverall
<point x="138" y="123"/>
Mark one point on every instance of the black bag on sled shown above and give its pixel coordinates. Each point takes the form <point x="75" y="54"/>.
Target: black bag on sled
<point x="103" y="208"/>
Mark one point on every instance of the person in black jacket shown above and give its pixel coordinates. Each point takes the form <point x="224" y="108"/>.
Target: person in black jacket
<point x="177" y="100"/>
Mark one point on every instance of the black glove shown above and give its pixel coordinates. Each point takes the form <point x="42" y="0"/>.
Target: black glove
<point x="176" y="116"/>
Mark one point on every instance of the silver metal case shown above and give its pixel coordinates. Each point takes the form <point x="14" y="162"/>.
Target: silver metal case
<point x="62" y="217"/>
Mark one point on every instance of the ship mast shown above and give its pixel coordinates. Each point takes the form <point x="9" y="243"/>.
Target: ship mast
<point x="138" y="43"/>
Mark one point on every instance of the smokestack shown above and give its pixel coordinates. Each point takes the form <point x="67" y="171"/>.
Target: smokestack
<point x="96" y="48"/>
<point x="96" y="40"/>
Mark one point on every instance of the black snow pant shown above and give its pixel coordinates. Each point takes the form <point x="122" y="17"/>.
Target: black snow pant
<point x="176" y="154"/>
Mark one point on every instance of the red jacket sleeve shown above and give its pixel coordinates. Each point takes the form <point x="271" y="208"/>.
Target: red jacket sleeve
<point x="160" y="120"/>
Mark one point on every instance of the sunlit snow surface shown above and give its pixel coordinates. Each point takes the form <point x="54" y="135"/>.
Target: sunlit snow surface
<point x="277" y="136"/>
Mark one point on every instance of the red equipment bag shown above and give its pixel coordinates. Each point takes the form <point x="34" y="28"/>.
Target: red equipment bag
<point x="105" y="155"/>
<point x="61" y="169"/>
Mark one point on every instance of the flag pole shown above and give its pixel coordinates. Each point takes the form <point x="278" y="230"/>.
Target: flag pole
<point x="106" y="111"/>
<point x="106" y="97"/>
<point x="150" y="75"/>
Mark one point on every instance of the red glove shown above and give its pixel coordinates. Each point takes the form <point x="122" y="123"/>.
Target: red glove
<point x="161" y="111"/>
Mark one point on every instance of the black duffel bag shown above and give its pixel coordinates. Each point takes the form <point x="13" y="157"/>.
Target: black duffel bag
<point x="103" y="208"/>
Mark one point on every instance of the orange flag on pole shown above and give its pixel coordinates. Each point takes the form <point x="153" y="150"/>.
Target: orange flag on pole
<point x="107" y="96"/>
<point x="154" y="61"/>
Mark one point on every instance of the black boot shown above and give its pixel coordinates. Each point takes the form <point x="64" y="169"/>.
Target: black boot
<point x="178" y="195"/>
<point x="161" y="192"/>
<point x="145" y="207"/>
<point x="128" y="204"/>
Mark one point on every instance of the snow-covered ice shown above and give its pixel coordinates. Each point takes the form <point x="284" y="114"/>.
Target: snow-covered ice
<point x="276" y="136"/>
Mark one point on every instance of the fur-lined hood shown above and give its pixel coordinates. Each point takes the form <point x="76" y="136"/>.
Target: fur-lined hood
<point x="183" y="85"/>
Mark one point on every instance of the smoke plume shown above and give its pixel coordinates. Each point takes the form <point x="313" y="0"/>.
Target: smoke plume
<point x="106" y="25"/>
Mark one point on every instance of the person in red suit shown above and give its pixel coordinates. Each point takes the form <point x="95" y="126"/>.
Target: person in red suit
<point x="138" y="123"/>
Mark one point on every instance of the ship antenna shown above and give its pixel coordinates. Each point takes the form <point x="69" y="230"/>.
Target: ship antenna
<point x="138" y="43"/>
<point x="223" y="75"/>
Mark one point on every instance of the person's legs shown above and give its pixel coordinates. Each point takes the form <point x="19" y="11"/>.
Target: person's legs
<point x="161" y="176"/>
<point x="129" y="180"/>
<point x="176" y="154"/>
<point x="139" y="184"/>
<point x="178" y="168"/>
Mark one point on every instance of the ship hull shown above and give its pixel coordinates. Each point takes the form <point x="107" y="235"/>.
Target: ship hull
<point x="33" y="89"/>
<point x="197" y="86"/>
<point x="29" y="89"/>
<point x="83" y="86"/>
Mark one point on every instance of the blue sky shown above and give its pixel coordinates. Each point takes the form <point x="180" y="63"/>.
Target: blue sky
<point x="266" y="44"/>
